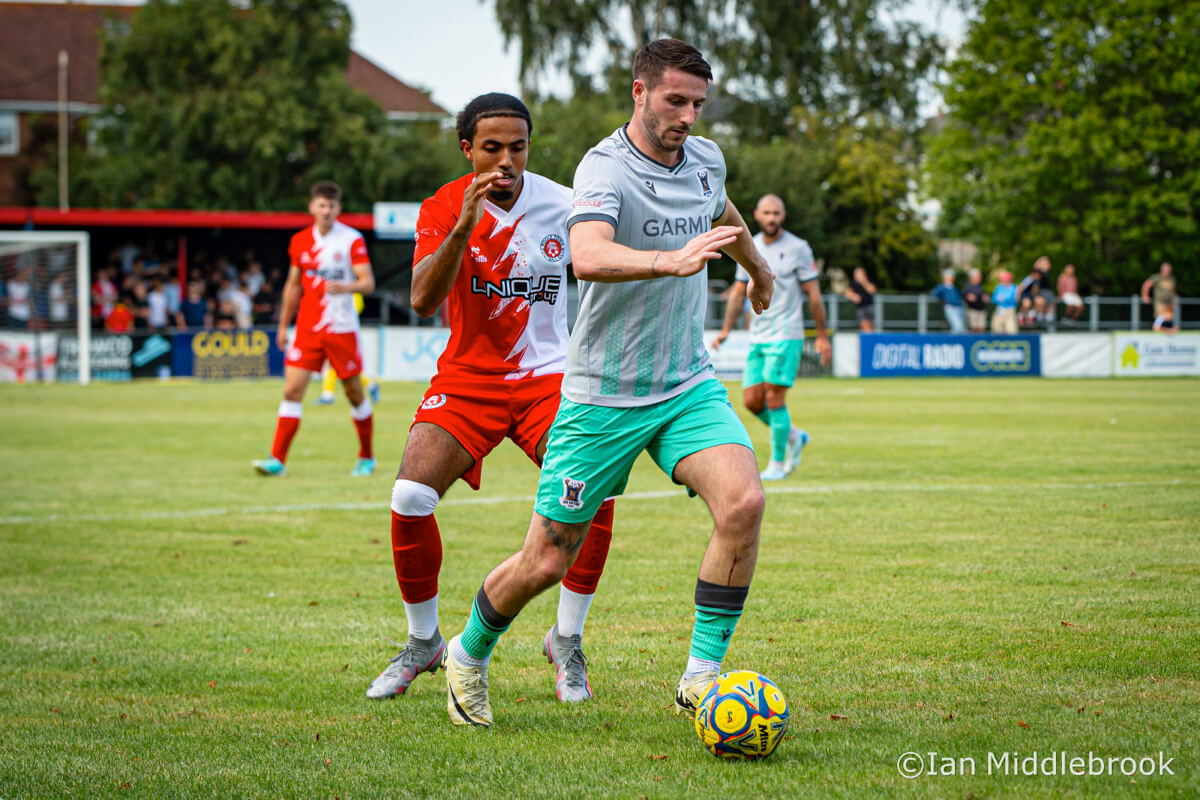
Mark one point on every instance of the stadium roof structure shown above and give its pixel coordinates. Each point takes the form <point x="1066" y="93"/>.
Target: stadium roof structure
<point x="32" y="34"/>
<point x="167" y="218"/>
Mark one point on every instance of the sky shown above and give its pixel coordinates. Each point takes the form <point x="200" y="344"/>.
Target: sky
<point x="455" y="49"/>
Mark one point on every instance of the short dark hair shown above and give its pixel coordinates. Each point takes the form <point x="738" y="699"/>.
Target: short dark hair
<point x="659" y="56"/>
<point x="492" y="104"/>
<point x="327" y="189"/>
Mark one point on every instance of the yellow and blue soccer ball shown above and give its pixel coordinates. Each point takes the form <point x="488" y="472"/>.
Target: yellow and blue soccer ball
<point x="742" y="715"/>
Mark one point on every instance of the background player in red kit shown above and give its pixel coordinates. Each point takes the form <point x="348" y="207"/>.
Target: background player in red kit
<point x="492" y="245"/>
<point x="329" y="263"/>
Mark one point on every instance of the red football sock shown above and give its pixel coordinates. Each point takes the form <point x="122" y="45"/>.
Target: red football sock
<point x="285" y="431"/>
<point x="584" y="575"/>
<point x="417" y="555"/>
<point x="365" y="427"/>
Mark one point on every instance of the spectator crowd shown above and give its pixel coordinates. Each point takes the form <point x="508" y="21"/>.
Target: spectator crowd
<point x="136" y="291"/>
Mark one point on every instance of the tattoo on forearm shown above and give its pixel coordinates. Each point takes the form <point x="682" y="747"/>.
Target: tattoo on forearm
<point x="654" y="274"/>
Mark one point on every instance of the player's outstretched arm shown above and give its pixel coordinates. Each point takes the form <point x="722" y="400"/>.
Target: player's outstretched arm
<point x="743" y="251"/>
<point x="598" y="258"/>
<point x="433" y="276"/>
<point x="291" y="299"/>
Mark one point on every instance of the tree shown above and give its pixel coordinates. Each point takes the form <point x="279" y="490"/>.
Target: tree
<point x="844" y="57"/>
<point x="1072" y="133"/>
<point x="209" y="104"/>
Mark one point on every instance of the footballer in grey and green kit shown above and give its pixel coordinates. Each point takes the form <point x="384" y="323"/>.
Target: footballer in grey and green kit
<point x="642" y="342"/>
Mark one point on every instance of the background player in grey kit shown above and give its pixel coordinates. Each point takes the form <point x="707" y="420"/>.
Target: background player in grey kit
<point x="649" y="213"/>
<point x="777" y="336"/>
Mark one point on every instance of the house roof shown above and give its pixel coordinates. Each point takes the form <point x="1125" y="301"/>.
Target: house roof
<point x="32" y="34"/>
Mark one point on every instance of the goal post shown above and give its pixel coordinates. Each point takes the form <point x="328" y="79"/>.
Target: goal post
<point x="36" y="270"/>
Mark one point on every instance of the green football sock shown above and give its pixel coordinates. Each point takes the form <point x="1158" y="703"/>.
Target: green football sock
<point x="764" y="415"/>
<point x="781" y="428"/>
<point x="717" y="611"/>
<point x="483" y="628"/>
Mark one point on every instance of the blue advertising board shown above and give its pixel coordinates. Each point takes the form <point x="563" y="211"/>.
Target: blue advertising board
<point x="222" y="354"/>
<point x="964" y="355"/>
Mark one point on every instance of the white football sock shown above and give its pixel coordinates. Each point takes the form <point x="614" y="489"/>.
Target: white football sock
<point x="422" y="618"/>
<point x="696" y="666"/>
<point x="572" y="611"/>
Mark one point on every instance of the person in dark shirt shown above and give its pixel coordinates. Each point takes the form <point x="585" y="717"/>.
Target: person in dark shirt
<point x="264" y="304"/>
<point x="862" y="292"/>
<point x="1033" y="303"/>
<point x="976" y="299"/>
<point x="195" y="310"/>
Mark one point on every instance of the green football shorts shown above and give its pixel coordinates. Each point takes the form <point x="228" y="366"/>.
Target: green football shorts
<point x="592" y="448"/>
<point x="775" y="363"/>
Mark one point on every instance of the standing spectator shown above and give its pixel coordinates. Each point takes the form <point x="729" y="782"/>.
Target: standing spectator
<point x="156" y="306"/>
<point x="1163" y="285"/>
<point x="253" y="277"/>
<point x="195" y="311"/>
<point x="1033" y="303"/>
<point x="862" y="293"/>
<point x="104" y="296"/>
<point x="265" y="303"/>
<point x="173" y="292"/>
<point x="1004" y="296"/>
<point x="952" y="302"/>
<point x="18" y="296"/>
<point x="61" y="300"/>
<point x="139" y="306"/>
<point x="120" y="319"/>
<point x="226" y="316"/>
<point x="242" y="305"/>
<point x="1068" y="292"/>
<point x="976" y="300"/>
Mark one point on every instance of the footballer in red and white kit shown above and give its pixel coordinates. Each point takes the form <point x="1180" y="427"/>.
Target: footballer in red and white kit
<point x="328" y="264"/>
<point x="492" y="252"/>
<point x="327" y="324"/>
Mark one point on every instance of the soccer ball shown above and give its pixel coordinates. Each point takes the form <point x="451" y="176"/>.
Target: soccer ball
<point x="742" y="715"/>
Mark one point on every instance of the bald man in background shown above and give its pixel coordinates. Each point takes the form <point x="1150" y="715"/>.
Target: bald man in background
<point x="777" y="335"/>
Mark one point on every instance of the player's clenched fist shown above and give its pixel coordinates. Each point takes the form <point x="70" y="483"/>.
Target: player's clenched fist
<point x="472" y="209"/>
<point x="760" y="290"/>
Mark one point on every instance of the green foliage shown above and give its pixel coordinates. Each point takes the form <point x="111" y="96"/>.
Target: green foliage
<point x="1072" y="133"/>
<point x="207" y="105"/>
<point x="845" y="187"/>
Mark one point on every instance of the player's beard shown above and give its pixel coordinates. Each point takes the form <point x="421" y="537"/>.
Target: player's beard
<point x="771" y="229"/>
<point x="655" y="130"/>
<point x="504" y="195"/>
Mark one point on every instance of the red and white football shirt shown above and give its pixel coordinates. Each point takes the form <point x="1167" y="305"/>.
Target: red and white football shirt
<point x="507" y="308"/>
<point x="321" y="259"/>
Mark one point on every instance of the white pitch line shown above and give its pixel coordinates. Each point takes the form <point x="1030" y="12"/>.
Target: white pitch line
<point x="885" y="488"/>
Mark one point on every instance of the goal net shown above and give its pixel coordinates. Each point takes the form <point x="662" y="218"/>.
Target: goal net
<point x="45" y="306"/>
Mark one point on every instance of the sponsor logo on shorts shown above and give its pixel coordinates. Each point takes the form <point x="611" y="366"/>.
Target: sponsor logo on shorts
<point x="294" y="354"/>
<point x="434" y="401"/>
<point x="351" y="364"/>
<point x="552" y="247"/>
<point x="572" y="494"/>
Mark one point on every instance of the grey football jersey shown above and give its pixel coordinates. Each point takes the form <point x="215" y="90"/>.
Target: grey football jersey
<point x="642" y="342"/>
<point x="791" y="259"/>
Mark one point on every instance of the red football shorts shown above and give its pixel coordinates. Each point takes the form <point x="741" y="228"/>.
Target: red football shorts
<point x="481" y="411"/>
<point x="311" y="348"/>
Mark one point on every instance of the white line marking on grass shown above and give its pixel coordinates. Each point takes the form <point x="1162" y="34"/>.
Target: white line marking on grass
<point x="491" y="501"/>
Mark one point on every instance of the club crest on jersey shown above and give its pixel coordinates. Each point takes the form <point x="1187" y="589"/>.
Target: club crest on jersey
<point x="702" y="176"/>
<point x="572" y="491"/>
<point x="434" y="401"/>
<point x="552" y="247"/>
<point x="543" y="289"/>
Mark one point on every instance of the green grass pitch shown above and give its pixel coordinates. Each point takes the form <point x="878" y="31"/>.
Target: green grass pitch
<point x="962" y="568"/>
